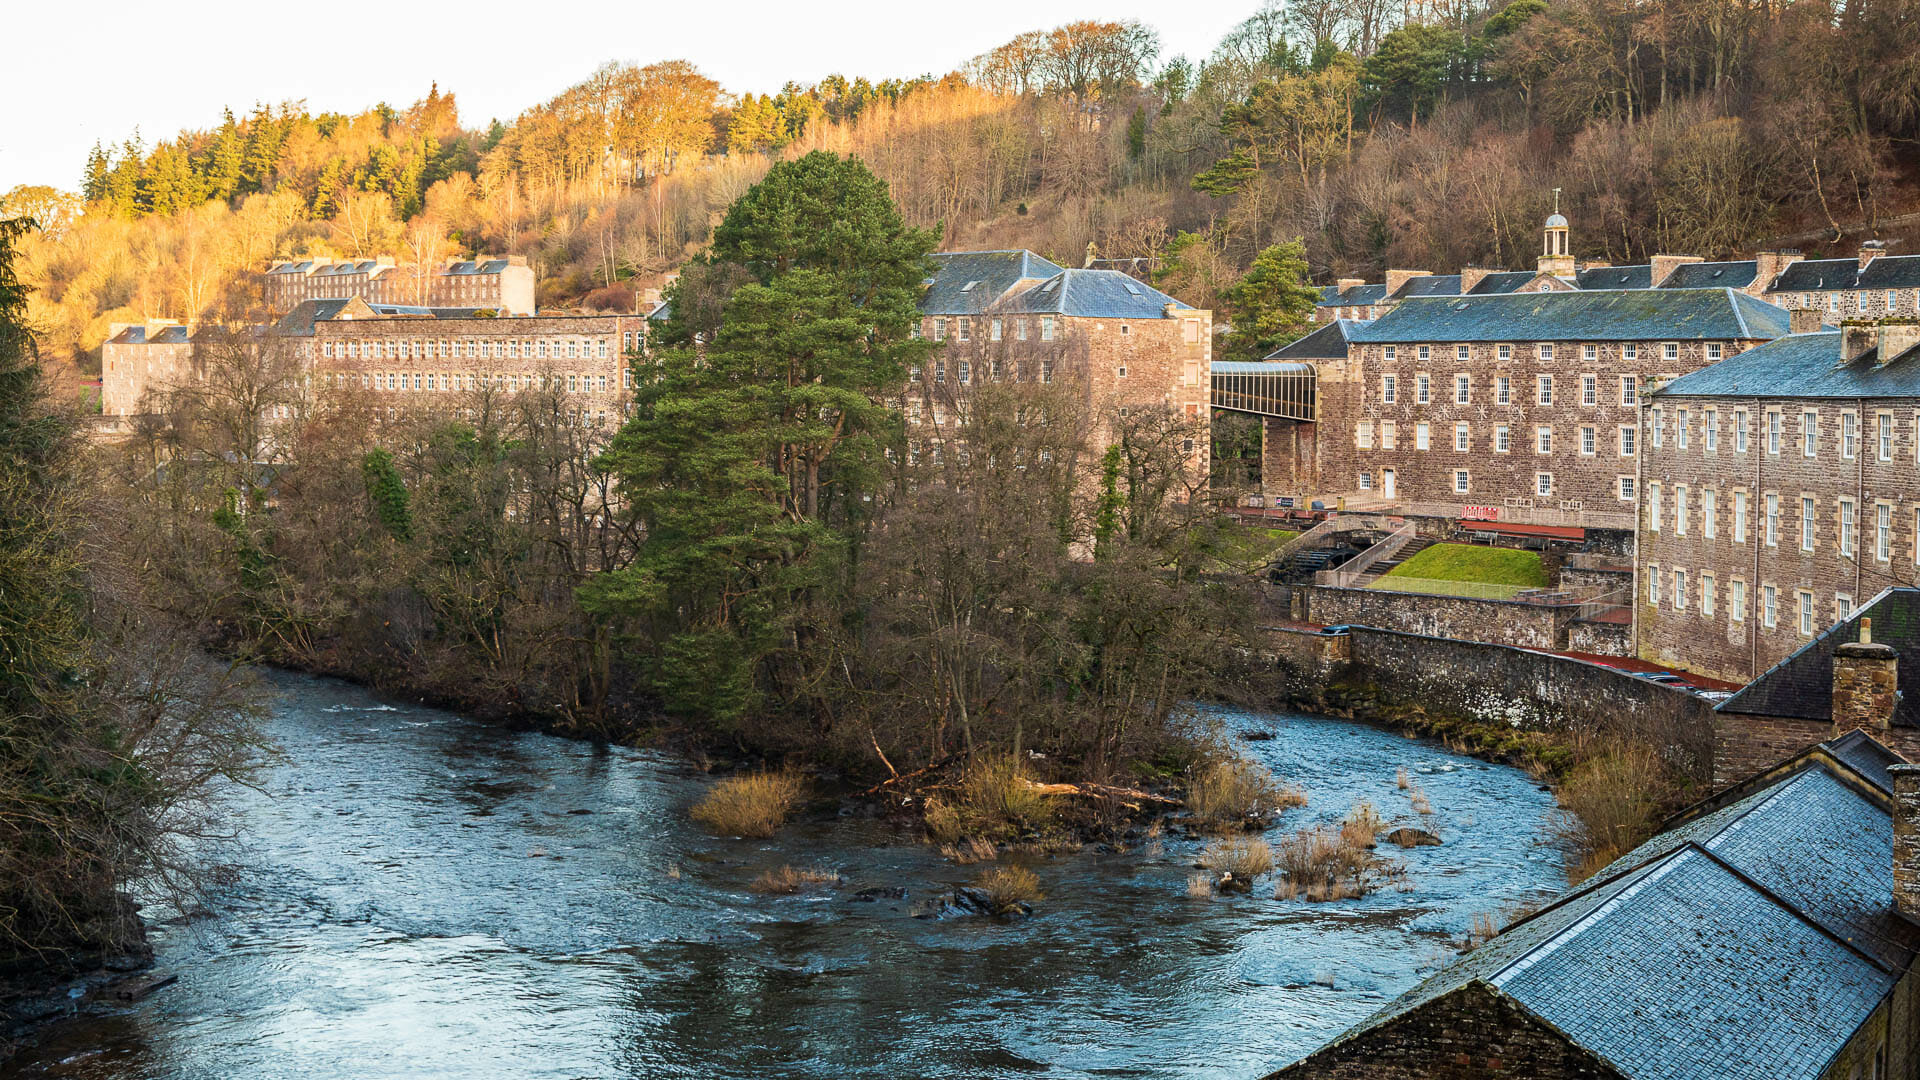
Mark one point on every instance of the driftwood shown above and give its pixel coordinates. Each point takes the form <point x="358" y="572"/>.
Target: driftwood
<point x="897" y="777"/>
<point x="1130" y="797"/>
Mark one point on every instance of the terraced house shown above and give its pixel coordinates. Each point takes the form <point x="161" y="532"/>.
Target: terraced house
<point x="1521" y="408"/>
<point x="1782" y="488"/>
<point x="1014" y="317"/>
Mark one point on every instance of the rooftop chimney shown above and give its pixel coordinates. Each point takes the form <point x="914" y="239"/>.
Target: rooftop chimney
<point x="1870" y="251"/>
<point x="1472" y="276"/>
<point x="1767" y="265"/>
<point x="1865" y="684"/>
<point x="1897" y="336"/>
<point x="1804" y="321"/>
<point x="1856" y="339"/>
<point x="1665" y="265"/>
<point x="1345" y="283"/>
<point x="1398" y="278"/>
<point x="1906" y="839"/>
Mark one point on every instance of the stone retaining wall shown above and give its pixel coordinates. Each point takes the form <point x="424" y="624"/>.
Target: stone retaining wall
<point x="1500" y="622"/>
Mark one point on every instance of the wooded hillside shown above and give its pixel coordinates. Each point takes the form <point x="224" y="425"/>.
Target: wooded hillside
<point x="1426" y="134"/>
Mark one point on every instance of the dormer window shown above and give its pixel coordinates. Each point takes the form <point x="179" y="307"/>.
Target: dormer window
<point x="968" y="287"/>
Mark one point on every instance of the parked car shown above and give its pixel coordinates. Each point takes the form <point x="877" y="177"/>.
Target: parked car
<point x="1715" y="696"/>
<point x="1665" y="677"/>
<point x="1334" y="631"/>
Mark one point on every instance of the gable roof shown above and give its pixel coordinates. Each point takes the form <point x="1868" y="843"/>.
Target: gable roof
<point x="1800" y="366"/>
<point x="1095" y="294"/>
<point x="1752" y="941"/>
<point x="299" y="321"/>
<point x="1327" y="343"/>
<point x="1499" y="284"/>
<point x="967" y="282"/>
<point x="1712" y="275"/>
<point x="1355" y="296"/>
<point x="1635" y="276"/>
<point x="1801" y="685"/>
<point x="1430" y="285"/>
<point x="1651" y="314"/>
<point x="1892" y="272"/>
<point x="1815" y="275"/>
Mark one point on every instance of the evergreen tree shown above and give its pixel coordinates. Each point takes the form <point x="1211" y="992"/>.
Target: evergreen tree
<point x="1270" y="306"/>
<point x="750" y="460"/>
<point x="94" y="186"/>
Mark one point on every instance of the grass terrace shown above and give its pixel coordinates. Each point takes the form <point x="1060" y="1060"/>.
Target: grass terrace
<point x="1467" y="570"/>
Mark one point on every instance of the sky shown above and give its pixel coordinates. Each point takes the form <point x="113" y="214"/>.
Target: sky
<point x="79" y="73"/>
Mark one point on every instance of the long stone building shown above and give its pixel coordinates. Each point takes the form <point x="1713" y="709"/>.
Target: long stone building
<point x="1781" y="489"/>
<point x="503" y="284"/>
<point x="1520" y="407"/>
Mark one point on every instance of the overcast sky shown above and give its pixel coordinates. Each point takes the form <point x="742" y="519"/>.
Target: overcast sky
<point x="76" y="72"/>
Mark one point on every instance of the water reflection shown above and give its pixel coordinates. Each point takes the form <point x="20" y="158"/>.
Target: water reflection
<point x="423" y="896"/>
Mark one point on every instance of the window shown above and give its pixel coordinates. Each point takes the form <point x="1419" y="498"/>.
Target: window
<point x="1682" y="424"/>
<point x="1653" y="506"/>
<point x="1885" y="424"/>
<point x="1713" y="352"/>
<point x="1773" y="431"/>
<point x="1120" y="372"/>
<point x="1883" y="532"/>
<point x="1543" y="440"/>
<point x="1625" y="488"/>
<point x="1658" y="421"/>
<point x="1806" y="524"/>
<point x="940" y="371"/>
<point x="965" y="371"/>
<point x="1710" y="514"/>
<point x="939" y="329"/>
<point x="1363" y="435"/>
<point x="1019" y="329"/>
<point x="1737" y="600"/>
<point x="1421" y="387"/>
<point x="1842" y="607"/>
<point x="1459" y="481"/>
<point x="1849" y="435"/>
<point x="1589" y="390"/>
<point x="1846" y="528"/>
<point x="1502" y="441"/>
<point x="1653" y="583"/>
<point x="1503" y="389"/>
<point x="1589" y="441"/>
<point x="1462" y="441"/>
<point x="1366" y="481"/>
<point x="1773" y="521"/>
<point x="1769" y="606"/>
<point x="1710" y="430"/>
<point x="1389" y="388"/>
<point x="1546" y="386"/>
<point x="1420" y="435"/>
<point x="1046" y="329"/>
<point x="1392" y="354"/>
<point x="994" y="330"/>
<point x="1809" y="432"/>
<point x="1670" y="351"/>
<point x="1425" y="352"/>
<point x="1389" y="435"/>
<point x="1546" y="352"/>
<point x="1462" y="353"/>
<point x="1626" y="440"/>
<point x="1506" y="352"/>
<point x="1680" y="510"/>
<point x="1806" y="613"/>
<point x="1629" y="388"/>
<point x="1543" y="484"/>
<point x="1462" y="390"/>
<point x="1589" y="353"/>
<point x="1679" y="589"/>
<point x="1740" y="431"/>
<point x="1706" y="593"/>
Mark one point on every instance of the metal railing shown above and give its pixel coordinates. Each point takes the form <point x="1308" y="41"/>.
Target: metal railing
<point x="1356" y="568"/>
<point x="1606" y="604"/>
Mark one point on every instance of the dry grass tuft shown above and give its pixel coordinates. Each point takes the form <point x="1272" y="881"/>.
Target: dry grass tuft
<point x="1237" y="794"/>
<point x="1362" y="825"/>
<point x="1321" y="863"/>
<point x="751" y="804"/>
<point x="1421" y="804"/>
<point x="1200" y="885"/>
<point x="1008" y="887"/>
<point x="994" y="801"/>
<point x="968" y="852"/>
<point x="1245" y="857"/>
<point x="788" y="880"/>
<point x="1401" y="780"/>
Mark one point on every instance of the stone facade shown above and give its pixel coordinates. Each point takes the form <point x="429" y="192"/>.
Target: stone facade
<point x="137" y="358"/>
<point x="1765" y="519"/>
<point x="1906" y="839"/>
<point x="1500" y="622"/>
<point x="1865" y="686"/>
<point x="502" y="284"/>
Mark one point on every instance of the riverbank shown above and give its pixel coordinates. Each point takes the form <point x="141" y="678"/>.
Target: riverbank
<point x="421" y="894"/>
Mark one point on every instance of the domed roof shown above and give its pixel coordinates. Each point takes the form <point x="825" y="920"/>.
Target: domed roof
<point x="1557" y="222"/>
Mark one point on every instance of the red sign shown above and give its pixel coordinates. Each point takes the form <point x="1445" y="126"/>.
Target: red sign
<point x="1480" y="513"/>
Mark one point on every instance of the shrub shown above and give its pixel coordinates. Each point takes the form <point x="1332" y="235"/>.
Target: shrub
<point x="996" y="800"/>
<point x="1244" y="857"/>
<point x="1610" y="802"/>
<point x="1237" y="794"/>
<point x="751" y="804"/>
<point x="1362" y="825"/>
<point x="1008" y="887"/>
<point x="788" y="879"/>
<point x="1320" y="863"/>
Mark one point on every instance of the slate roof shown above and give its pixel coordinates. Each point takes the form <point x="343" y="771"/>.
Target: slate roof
<point x="1866" y="756"/>
<point x="1504" y="282"/>
<point x="1892" y="272"/>
<point x="1327" y="343"/>
<point x="169" y="335"/>
<point x="1653" y="314"/>
<point x="1751" y="942"/>
<point x="132" y="335"/>
<point x="1430" y="285"/>
<point x="1636" y="276"/>
<point x="1094" y="294"/>
<point x="472" y="267"/>
<point x="1815" y="275"/>
<point x="299" y="322"/>
<point x="1357" y="296"/>
<point x="1800" y="366"/>
<point x="1712" y="275"/>
<point x="991" y="273"/>
<point x="1801" y="686"/>
<point x="303" y="266"/>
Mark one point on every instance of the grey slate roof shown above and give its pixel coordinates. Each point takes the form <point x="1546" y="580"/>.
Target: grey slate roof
<point x="1752" y="942"/>
<point x="1712" y="275"/>
<point x="1095" y="294"/>
<point x="1800" y="366"/>
<point x="1645" y="315"/>
<point x="132" y="335"/>
<point x="991" y="274"/>
<point x="1430" y="285"/>
<point x="1501" y="283"/>
<point x="1639" y="276"/>
<point x="1815" y="275"/>
<point x="1357" y="296"/>
<point x="299" y="322"/>
<point x="1892" y="272"/>
<point x="1866" y="756"/>
<point x="1327" y="343"/>
<point x="1801" y="685"/>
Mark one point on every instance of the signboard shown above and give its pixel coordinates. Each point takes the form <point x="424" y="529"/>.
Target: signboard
<point x="1480" y="513"/>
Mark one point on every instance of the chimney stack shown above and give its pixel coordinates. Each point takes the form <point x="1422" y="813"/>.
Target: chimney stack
<point x="1345" y="283"/>
<point x="1866" y="680"/>
<point x="1472" y="276"/>
<point x="1396" y="279"/>
<point x="1665" y="265"/>
<point x="1870" y="251"/>
<point x="1768" y="265"/>
<point x="1856" y="339"/>
<point x="1804" y="321"/>
<point x="1896" y="337"/>
<point x="1906" y="839"/>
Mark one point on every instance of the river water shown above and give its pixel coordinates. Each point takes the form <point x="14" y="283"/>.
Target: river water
<point x="419" y="895"/>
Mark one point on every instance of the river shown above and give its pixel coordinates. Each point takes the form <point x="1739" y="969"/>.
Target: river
<point x="419" y="895"/>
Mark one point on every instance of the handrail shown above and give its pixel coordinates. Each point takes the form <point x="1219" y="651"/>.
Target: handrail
<point x="1357" y="567"/>
<point x="1334" y="523"/>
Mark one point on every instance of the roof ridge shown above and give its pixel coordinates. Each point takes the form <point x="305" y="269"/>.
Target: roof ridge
<point x="1784" y="903"/>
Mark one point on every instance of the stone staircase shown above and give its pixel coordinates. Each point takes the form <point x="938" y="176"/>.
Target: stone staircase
<point x="1413" y="547"/>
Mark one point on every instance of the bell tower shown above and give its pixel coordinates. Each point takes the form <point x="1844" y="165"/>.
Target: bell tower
<point x="1556" y="258"/>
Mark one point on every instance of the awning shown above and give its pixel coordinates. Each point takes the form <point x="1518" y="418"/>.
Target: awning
<point x="1553" y="532"/>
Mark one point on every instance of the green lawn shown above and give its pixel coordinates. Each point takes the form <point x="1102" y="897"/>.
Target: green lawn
<point x="1470" y="562"/>
<point x="1244" y="549"/>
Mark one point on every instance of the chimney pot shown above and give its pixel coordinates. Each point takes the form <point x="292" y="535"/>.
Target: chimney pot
<point x="1906" y="839"/>
<point x="1866" y="681"/>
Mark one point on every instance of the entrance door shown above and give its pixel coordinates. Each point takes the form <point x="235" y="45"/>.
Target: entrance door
<point x="1386" y="483"/>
